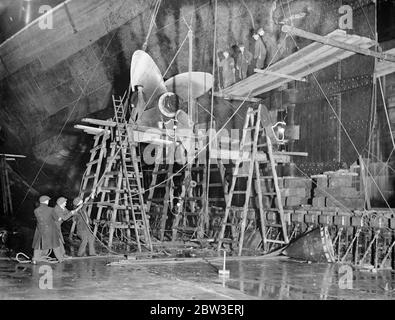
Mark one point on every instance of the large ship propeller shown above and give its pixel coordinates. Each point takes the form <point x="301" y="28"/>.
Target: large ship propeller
<point x="169" y="97"/>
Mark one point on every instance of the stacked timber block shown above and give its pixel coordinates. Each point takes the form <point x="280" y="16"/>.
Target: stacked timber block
<point x="295" y="191"/>
<point x="336" y="189"/>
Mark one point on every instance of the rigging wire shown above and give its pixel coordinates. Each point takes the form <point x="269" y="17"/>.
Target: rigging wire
<point x="344" y="129"/>
<point x="211" y="112"/>
<point x="72" y="111"/>
<point x="152" y="23"/>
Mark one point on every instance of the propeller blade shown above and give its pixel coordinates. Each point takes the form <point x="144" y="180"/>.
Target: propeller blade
<point x="145" y="73"/>
<point x="201" y="83"/>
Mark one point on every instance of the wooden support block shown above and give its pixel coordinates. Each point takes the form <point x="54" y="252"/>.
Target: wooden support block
<point x="287" y="216"/>
<point x="340" y="181"/>
<point x="298" y="216"/>
<point x="295" y="182"/>
<point x="357" y="221"/>
<point x="325" y="219"/>
<point x="314" y="211"/>
<point x="294" y="201"/>
<point x="345" y="202"/>
<point x="320" y="181"/>
<point x="380" y="222"/>
<point x="342" y="220"/>
<point x="392" y="223"/>
<point x="311" y="218"/>
<point x="344" y="192"/>
<point x="319" y="202"/>
<point x="294" y="192"/>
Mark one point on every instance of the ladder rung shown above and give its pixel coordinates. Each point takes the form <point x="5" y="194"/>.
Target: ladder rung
<point x="92" y="162"/>
<point x="90" y="176"/>
<point x="269" y="193"/>
<point x="276" y="241"/>
<point x="262" y="145"/>
<point x="266" y="177"/>
<point x="186" y="228"/>
<point x="94" y="149"/>
<point x="240" y="192"/>
<point x="228" y="224"/>
<point x="275" y="225"/>
<point x="242" y="175"/>
<point x="216" y="199"/>
<point x="193" y="198"/>
<point x="215" y="185"/>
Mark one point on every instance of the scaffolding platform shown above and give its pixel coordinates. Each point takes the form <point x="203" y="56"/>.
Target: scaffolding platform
<point x="309" y="59"/>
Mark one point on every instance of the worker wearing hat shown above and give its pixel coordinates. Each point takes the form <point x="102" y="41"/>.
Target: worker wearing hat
<point x="46" y="236"/>
<point x="83" y="229"/>
<point x="244" y="59"/>
<point x="260" y="49"/>
<point x="62" y="214"/>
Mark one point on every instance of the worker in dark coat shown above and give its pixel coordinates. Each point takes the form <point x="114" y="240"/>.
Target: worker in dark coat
<point x="269" y="41"/>
<point x="62" y="214"/>
<point x="83" y="229"/>
<point x="46" y="236"/>
<point x="228" y="69"/>
<point x="244" y="59"/>
<point x="260" y="52"/>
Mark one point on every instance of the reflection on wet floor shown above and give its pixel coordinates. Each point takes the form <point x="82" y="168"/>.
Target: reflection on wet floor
<point x="249" y="279"/>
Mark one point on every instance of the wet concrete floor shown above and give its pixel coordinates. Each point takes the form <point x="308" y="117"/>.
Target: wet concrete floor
<point x="277" y="278"/>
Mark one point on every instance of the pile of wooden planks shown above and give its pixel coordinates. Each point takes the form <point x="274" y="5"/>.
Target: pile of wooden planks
<point x="336" y="189"/>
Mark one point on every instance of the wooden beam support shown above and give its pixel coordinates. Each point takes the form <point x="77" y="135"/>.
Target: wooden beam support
<point x="280" y="75"/>
<point x="12" y="155"/>
<point x="232" y="97"/>
<point x="334" y="43"/>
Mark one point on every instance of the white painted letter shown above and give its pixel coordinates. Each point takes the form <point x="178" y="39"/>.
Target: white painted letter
<point x="346" y="280"/>
<point x="346" y="20"/>
<point x="46" y="281"/>
<point x="45" y="21"/>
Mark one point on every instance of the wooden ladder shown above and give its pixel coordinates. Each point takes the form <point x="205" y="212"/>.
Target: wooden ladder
<point x="132" y="177"/>
<point x="232" y="230"/>
<point x="159" y="195"/>
<point x="93" y="169"/>
<point x="5" y="187"/>
<point x="275" y="232"/>
<point x="194" y="218"/>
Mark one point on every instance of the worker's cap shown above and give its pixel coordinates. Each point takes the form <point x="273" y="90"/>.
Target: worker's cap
<point x="260" y="30"/>
<point x="44" y="199"/>
<point x="77" y="201"/>
<point x="61" y="201"/>
<point x="240" y="45"/>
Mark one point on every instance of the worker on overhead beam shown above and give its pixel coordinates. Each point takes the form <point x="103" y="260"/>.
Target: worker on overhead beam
<point x="46" y="236"/>
<point x="83" y="229"/>
<point x="244" y="59"/>
<point x="62" y="214"/>
<point x="228" y="69"/>
<point x="260" y="50"/>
